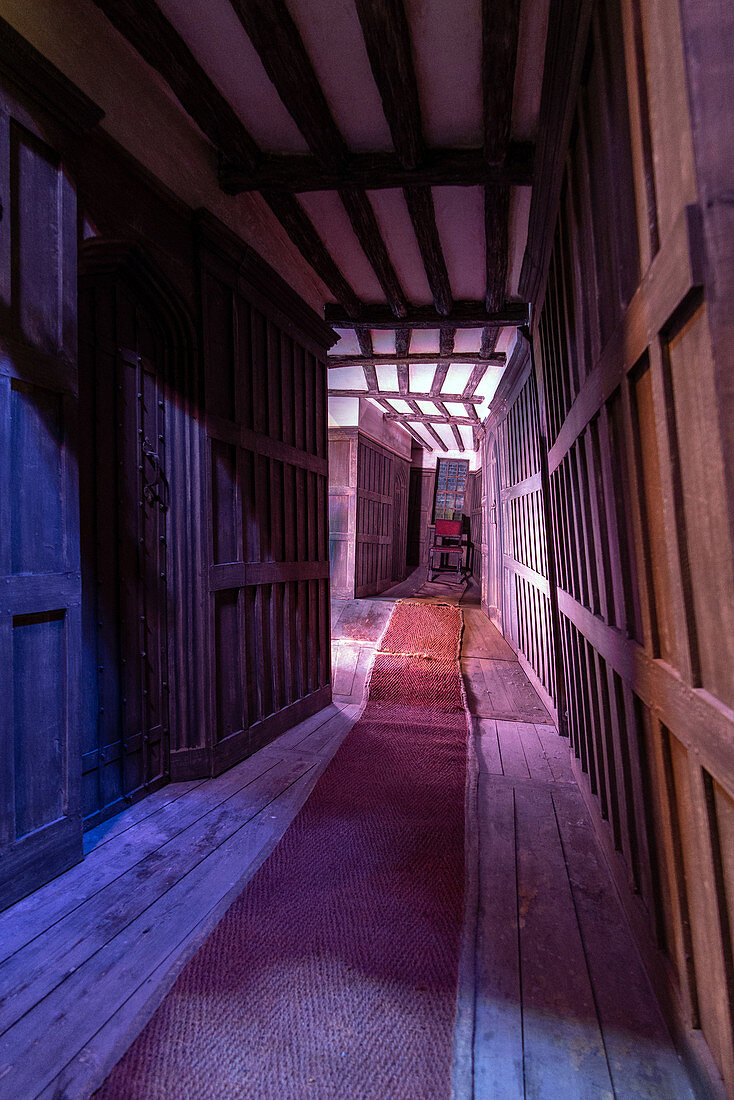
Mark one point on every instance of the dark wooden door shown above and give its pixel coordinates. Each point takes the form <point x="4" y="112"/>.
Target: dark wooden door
<point x="125" y="500"/>
<point x="40" y="830"/>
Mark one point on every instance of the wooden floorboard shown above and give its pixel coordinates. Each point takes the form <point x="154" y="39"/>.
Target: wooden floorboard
<point x="91" y="955"/>
<point x="559" y="1003"/>
<point x="562" y="1007"/>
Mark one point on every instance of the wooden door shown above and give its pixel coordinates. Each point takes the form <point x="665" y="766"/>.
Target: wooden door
<point x="40" y="829"/>
<point x="400" y="521"/>
<point x="125" y="501"/>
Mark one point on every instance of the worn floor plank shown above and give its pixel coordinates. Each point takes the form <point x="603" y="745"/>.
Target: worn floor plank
<point x="560" y="1004"/>
<point x="483" y="639"/>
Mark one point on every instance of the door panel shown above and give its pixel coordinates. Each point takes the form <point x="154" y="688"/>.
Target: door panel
<point x="40" y="830"/>
<point x="125" y="503"/>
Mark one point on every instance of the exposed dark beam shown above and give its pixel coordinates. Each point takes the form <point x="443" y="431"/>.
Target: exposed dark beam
<point x="475" y="378"/>
<point x="146" y="28"/>
<point x="439" y="378"/>
<point x="364" y="223"/>
<point x="423" y="217"/>
<point x="447" y="337"/>
<point x="402" y="343"/>
<point x="364" y="338"/>
<point x="387" y="38"/>
<point x="465" y="314"/>
<point x="403" y="378"/>
<point x="278" y="42"/>
<point x="375" y="391"/>
<point x="378" y="171"/>
<point x="429" y="418"/>
<point x="500" y="23"/>
<point x="566" y="42"/>
<point x="434" y="435"/>
<point x="414" y="407"/>
<point x="276" y="38"/>
<point x="370" y="377"/>
<point x="416" y="357"/>
<point x="472" y="414"/>
<point x="301" y="231"/>
<point x="496" y="221"/>
<point x="457" y="437"/>
<point x="490" y="336"/>
<point x="418" y="438"/>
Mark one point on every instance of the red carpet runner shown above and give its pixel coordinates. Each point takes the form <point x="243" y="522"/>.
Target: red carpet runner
<point x="335" y="973"/>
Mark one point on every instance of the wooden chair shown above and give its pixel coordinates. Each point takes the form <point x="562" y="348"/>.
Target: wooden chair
<point x="448" y="542"/>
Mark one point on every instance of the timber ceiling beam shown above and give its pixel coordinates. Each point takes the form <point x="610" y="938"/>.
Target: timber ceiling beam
<point x="496" y="358"/>
<point x="403" y="378"/>
<point x="457" y="437"/>
<point x="475" y="378"/>
<point x="429" y="418"/>
<point x="377" y="171"/>
<point x="402" y="344"/>
<point x="447" y="336"/>
<point x="439" y="377"/>
<point x="418" y="438"/>
<point x="435" y="436"/>
<point x="387" y="38"/>
<point x="396" y="395"/>
<point x="364" y="339"/>
<point x="276" y="38"/>
<point x="500" y="27"/>
<point x="148" y="31"/>
<point x="565" y="50"/>
<point x="464" y="314"/>
<point x="302" y="232"/>
<point x="490" y="336"/>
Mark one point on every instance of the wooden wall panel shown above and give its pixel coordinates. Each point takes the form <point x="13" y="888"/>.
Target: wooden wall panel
<point x="343" y="448"/>
<point x="265" y="395"/>
<point x="374" y="531"/>
<point x="40" y="637"/>
<point x="641" y="525"/>
<point x="517" y="592"/>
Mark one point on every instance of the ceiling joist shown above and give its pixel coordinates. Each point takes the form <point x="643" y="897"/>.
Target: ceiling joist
<point x="396" y="395"/>
<point x="497" y="358"/>
<point x="429" y="418"/>
<point x="378" y="171"/>
<point x="465" y="314"/>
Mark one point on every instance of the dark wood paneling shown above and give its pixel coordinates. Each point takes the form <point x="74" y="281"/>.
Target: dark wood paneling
<point x="40" y="642"/>
<point x="265" y="395"/>
<point x="517" y="590"/>
<point x="641" y="521"/>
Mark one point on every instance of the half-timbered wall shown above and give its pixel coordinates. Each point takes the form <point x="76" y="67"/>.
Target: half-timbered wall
<point x="517" y="591"/>
<point x="639" y="501"/>
<point x="265" y="396"/>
